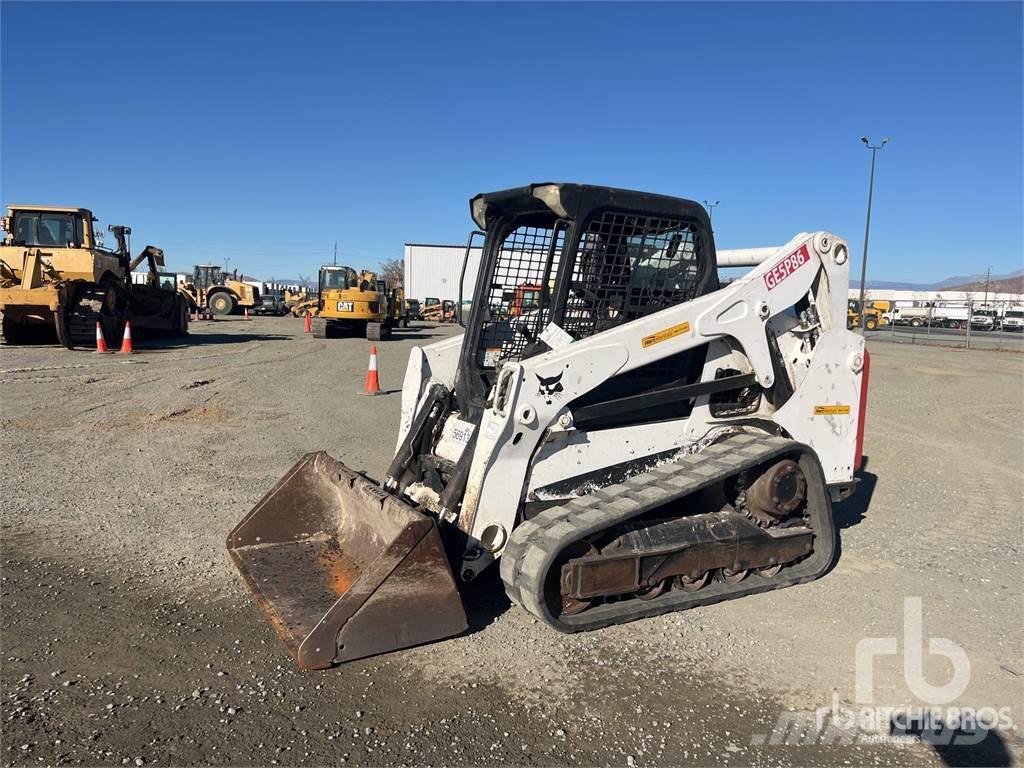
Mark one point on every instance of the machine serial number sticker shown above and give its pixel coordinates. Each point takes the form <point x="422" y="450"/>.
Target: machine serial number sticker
<point x="787" y="266"/>
<point x="665" y="335"/>
<point x="344" y="306"/>
<point x="461" y="432"/>
<point x="831" y="410"/>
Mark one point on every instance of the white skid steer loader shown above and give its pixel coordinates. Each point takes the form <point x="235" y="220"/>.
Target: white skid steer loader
<point x="624" y="433"/>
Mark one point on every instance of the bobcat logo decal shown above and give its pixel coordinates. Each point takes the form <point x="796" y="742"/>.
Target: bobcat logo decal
<point x="550" y="388"/>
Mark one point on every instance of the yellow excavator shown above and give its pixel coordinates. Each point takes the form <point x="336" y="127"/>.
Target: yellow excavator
<point x="355" y="303"/>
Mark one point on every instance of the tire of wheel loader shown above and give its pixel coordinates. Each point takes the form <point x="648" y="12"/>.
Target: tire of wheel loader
<point x="342" y="568"/>
<point x="870" y="323"/>
<point x="221" y="303"/>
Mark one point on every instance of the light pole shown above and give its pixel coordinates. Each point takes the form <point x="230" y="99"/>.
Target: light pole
<point x="711" y="207"/>
<point x="867" y="227"/>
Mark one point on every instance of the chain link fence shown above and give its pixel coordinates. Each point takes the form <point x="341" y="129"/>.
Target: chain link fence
<point x="972" y="325"/>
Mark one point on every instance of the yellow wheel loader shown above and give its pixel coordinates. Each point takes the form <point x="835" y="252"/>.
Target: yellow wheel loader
<point x="55" y="277"/>
<point x="873" y="316"/>
<point x="639" y="439"/>
<point x="214" y="288"/>
<point x="352" y="302"/>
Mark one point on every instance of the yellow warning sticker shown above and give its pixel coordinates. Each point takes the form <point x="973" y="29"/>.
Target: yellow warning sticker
<point x="665" y="335"/>
<point x="831" y="410"/>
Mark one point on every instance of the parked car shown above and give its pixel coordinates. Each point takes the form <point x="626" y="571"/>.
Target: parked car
<point x="270" y="303"/>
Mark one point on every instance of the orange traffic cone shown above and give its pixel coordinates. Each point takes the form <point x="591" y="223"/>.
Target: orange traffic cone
<point x="101" y="343"/>
<point x="372" y="381"/>
<point x="309" y="322"/>
<point x="126" y="340"/>
<point x="246" y="313"/>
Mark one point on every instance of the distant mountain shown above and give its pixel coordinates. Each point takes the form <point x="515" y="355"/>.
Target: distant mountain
<point x="893" y="286"/>
<point x="1011" y="283"/>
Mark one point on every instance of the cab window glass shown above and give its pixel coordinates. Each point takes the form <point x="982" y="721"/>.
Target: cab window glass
<point x="48" y="230"/>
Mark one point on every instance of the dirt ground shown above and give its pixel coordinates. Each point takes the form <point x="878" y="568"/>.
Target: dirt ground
<point x="128" y="638"/>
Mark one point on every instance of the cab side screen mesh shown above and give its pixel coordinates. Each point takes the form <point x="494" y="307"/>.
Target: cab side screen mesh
<point x="629" y="266"/>
<point x="513" y="300"/>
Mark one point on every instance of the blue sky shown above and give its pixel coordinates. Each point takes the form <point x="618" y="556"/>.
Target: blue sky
<point x="262" y="132"/>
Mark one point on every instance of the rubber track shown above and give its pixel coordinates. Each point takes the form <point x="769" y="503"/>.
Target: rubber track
<point x="318" y="327"/>
<point x="535" y="544"/>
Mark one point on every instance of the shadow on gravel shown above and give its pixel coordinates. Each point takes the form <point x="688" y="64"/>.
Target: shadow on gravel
<point x="484" y="600"/>
<point x="407" y="334"/>
<point x="200" y="340"/>
<point x="957" y="746"/>
<point x="852" y="511"/>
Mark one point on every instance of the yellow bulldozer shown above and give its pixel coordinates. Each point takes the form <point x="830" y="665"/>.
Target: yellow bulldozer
<point x="213" y="287"/>
<point x="356" y="303"/>
<point x="56" y="277"/>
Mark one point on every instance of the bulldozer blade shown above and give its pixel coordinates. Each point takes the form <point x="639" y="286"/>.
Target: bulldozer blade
<point x="342" y="568"/>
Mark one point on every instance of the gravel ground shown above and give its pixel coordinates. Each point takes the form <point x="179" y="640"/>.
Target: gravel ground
<point x="128" y="638"/>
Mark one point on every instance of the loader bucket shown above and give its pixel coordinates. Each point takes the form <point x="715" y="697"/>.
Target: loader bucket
<point x="342" y="568"/>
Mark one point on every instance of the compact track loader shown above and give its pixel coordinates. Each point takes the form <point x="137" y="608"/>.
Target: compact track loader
<point x="638" y="439"/>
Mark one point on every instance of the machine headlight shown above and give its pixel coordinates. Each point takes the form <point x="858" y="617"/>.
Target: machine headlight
<point x="551" y="196"/>
<point x="478" y="210"/>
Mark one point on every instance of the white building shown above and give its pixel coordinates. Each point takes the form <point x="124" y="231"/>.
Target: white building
<point x="924" y="298"/>
<point x="434" y="271"/>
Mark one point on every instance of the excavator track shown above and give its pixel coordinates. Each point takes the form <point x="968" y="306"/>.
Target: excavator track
<point x="538" y="548"/>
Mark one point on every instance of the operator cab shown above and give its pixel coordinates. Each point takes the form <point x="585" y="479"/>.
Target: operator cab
<point x="583" y="258"/>
<point x="46" y="227"/>
<point x="338" y="278"/>
<point x="206" y="275"/>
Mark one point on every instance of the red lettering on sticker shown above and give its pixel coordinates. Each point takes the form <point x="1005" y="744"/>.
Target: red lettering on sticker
<point x="787" y="266"/>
